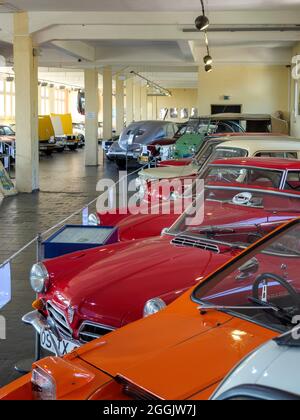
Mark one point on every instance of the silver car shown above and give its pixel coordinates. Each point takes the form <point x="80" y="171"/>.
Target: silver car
<point x="136" y="136"/>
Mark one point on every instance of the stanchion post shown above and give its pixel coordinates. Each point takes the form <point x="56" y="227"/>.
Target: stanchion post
<point x="39" y="257"/>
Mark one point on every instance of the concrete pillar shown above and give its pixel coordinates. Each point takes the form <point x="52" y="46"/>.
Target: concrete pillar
<point x="107" y="103"/>
<point x="91" y="116"/>
<point x="52" y="99"/>
<point x="129" y="101"/>
<point x="144" y="103"/>
<point x="26" y="74"/>
<point x="119" y="105"/>
<point x="137" y="102"/>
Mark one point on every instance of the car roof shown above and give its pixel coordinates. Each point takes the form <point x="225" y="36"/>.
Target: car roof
<point x="254" y="144"/>
<point x="266" y="163"/>
<point x="150" y="123"/>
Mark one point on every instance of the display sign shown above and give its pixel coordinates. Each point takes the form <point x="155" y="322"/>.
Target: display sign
<point x="5" y="285"/>
<point x="72" y="238"/>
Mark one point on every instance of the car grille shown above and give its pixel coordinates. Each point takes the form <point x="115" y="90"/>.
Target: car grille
<point x="184" y="240"/>
<point x="59" y="319"/>
<point x="90" y="331"/>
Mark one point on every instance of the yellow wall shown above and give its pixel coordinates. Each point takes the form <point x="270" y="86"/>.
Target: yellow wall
<point x="181" y="98"/>
<point x="258" y="88"/>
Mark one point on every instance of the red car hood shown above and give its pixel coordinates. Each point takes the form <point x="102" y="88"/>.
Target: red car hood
<point x="116" y="282"/>
<point x="215" y="213"/>
<point x="178" y="353"/>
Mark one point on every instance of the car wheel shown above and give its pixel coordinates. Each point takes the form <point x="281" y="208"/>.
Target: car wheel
<point x="60" y="150"/>
<point x="48" y="152"/>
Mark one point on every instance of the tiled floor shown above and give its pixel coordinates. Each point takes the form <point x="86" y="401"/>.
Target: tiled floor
<point x="65" y="186"/>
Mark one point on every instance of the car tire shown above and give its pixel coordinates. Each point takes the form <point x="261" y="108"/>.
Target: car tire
<point x="48" y="152"/>
<point x="60" y="150"/>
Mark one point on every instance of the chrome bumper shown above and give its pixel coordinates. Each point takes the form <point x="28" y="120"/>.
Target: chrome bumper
<point x="41" y="324"/>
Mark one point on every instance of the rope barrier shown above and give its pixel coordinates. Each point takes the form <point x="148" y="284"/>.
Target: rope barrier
<point x="36" y="238"/>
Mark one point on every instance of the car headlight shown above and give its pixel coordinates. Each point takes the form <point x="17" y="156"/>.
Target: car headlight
<point x="39" y="277"/>
<point x="94" y="220"/>
<point x="153" y="306"/>
<point x="43" y="386"/>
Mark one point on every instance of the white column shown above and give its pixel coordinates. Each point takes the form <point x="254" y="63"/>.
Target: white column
<point x="129" y="101"/>
<point x="52" y="100"/>
<point x="119" y="105"/>
<point x="107" y="103"/>
<point x="26" y="73"/>
<point x="144" y="103"/>
<point x="91" y="116"/>
<point x="137" y="102"/>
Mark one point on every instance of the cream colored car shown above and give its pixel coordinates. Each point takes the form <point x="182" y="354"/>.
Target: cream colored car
<point x="219" y="148"/>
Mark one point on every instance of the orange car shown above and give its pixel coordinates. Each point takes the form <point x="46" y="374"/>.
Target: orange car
<point x="184" y="351"/>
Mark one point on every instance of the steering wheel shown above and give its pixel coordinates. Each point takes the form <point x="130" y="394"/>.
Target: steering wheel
<point x="242" y="199"/>
<point x="275" y="278"/>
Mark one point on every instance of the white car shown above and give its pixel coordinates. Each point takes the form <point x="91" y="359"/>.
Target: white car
<point x="270" y="373"/>
<point x="250" y="146"/>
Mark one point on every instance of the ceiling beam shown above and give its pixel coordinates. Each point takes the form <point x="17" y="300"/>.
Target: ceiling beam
<point x="77" y="49"/>
<point x="150" y="32"/>
<point x="42" y="20"/>
<point x="186" y="48"/>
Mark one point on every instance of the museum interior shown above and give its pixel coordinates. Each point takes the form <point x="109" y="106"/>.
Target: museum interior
<point x="149" y="178"/>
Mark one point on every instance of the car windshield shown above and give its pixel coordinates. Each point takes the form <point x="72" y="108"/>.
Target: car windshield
<point x="244" y="205"/>
<point x="230" y="152"/>
<point x="243" y="176"/>
<point x="263" y="285"/>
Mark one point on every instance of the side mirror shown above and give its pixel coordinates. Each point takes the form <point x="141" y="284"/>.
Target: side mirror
<point x="249" y="268"/>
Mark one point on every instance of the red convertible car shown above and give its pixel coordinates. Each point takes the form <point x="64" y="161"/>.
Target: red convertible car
<point x="85" y="295"/>
<point x="277" y="179"/>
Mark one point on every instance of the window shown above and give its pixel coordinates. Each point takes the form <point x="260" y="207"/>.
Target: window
<point x="8" y="131"/>
<point x="292" y="181"/>
<point x="280" y="155"/>
<point x="9" y="104"/>
<point x="45" y="104"/>
<point x="184" y="113"/>
<point x="227" y="152"/>
<point x="60" y="101"/>
<point x="194" y="113"/>
<point x="170" y="131"/>
<point x="174" y="113"/>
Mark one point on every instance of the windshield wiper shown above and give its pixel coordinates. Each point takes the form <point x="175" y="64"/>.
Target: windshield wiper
<point x="213" y="230"/>
<point x="280" y="313"/>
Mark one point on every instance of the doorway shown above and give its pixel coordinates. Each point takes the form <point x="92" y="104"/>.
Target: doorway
<point x="222" y="109"/>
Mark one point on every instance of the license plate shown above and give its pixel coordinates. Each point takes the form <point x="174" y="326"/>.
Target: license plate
<point x="144" y="159"/>
<point x="63" y="346"/>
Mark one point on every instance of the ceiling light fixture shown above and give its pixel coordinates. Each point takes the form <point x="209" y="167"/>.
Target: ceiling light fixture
<point x="150" y="84"/>
<point x="208" y="68"/>
<point x="202" y="22"/>
<point x="208" y="58"/>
